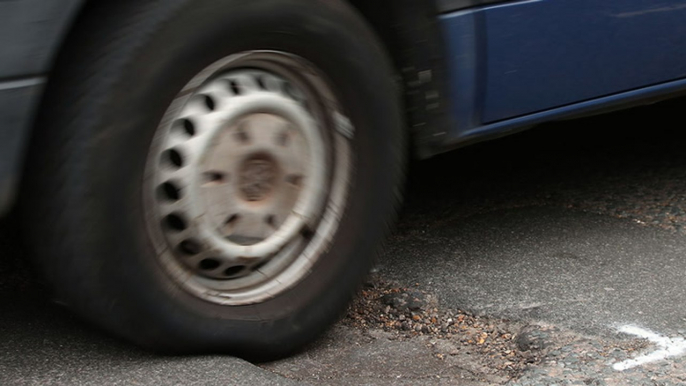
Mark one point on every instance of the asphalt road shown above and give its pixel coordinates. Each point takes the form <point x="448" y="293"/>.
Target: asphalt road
<point x="578" y="270"/>
<point x="43" y="344"/>
<point x="578" y="224"/>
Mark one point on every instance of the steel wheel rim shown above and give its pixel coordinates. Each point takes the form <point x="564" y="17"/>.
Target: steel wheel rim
<point x="247" y="177"/>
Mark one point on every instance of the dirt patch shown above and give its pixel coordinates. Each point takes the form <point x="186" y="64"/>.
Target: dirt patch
<point x="408" y="313"/>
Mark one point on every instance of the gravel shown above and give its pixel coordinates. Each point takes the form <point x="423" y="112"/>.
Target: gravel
<point x="507" y="352"/>
<point x="412" y="312"/>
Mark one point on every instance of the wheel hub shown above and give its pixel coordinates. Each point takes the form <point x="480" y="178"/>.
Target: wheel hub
<point x="243" y="170"/>
<point x="257" y="177"/>
<point x="256" y="170"/>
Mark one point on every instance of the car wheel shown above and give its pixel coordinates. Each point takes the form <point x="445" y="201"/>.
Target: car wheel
<point x="214" y="176"/>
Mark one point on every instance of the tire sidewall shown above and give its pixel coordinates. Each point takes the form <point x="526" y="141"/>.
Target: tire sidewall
<point x="137" y="299"/>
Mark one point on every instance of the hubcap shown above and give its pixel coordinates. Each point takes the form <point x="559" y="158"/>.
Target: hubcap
<point x="247" y="177"/>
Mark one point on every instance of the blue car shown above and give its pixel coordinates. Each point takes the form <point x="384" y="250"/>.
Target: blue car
<point x="216" y="175"/>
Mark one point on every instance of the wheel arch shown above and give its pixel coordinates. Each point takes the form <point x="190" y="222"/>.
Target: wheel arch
<point x="411" y="33"/>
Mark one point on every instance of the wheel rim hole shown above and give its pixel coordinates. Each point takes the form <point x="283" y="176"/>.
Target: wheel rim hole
<point x="232" y="219"/>
<point x="241" y="133"/>
<point x="231" y="222"/>
<point x="174" y="158"/>
<point x="307" y="233"/>
<point x="190" y="247"/>
<point x="294" y="179"/>
<point x="187" y="126"/>
<point x="260" y="82"/>
<point x="292" y="93"/>
<point x="283" y="138"/>
<point x="260" y="265"/>
<point x="175" y="222"/>
<point x="209" y="102"/>
<point x="235" y="270"/>
<point x="170" y="191"/>
<point x="216" y="177"/>
<point x="209" y="264"/>
<point x="235" y="87"/>
<point x="242" y="136"/>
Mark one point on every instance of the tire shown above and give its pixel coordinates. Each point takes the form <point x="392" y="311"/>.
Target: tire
<point x="87" y="206"/>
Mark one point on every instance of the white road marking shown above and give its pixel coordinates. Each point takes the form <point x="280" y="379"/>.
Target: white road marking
<point x="668" y="347"/>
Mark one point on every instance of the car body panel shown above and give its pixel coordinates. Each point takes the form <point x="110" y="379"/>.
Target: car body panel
<point x="18" y="101"/>
<point x="518" y="63"/>
<point x="550" y="53"/>
<point x="31" y="32"/>
<point x="473" y="69"/>
<point x="455" y="5"/>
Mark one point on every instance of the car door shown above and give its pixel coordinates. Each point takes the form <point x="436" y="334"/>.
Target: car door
<point x="517" y="61"/>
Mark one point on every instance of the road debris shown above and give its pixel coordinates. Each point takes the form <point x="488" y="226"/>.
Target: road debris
<point x="412" y="312"/>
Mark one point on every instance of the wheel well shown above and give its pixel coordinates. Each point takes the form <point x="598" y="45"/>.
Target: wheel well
<point x="412" y="35"/>
<point x="410" y="31"/>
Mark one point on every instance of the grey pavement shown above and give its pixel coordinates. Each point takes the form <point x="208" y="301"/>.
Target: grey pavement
<point x="43" y="344"/>
<point x="349" y="357"/>
<point x="579" y="225"/>
<point x="578" y="270"/>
